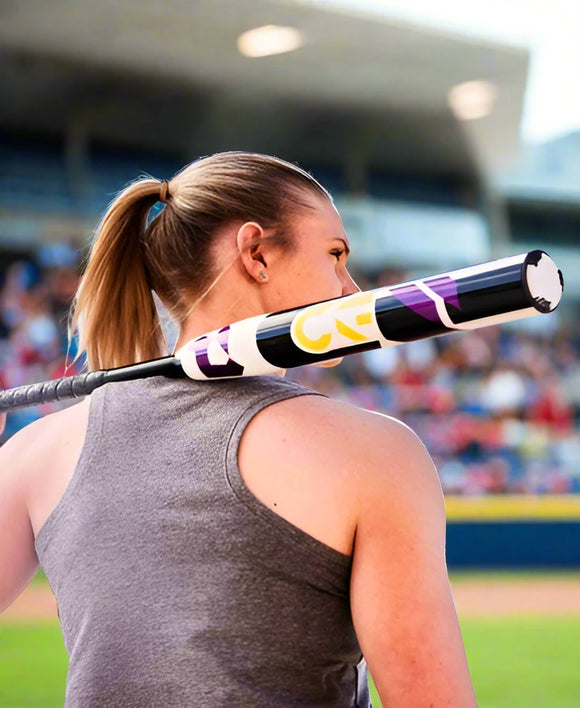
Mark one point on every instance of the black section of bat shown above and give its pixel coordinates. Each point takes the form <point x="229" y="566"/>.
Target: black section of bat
<point x="398" y="323"/>
<point x="491" y="294"/>
<point x="84" y="384"/>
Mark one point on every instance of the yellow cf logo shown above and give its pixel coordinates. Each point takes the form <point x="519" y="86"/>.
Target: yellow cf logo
<point x="321" y="328"/>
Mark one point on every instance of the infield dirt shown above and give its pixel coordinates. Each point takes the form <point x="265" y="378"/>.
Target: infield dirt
<point x="478" y="595"/>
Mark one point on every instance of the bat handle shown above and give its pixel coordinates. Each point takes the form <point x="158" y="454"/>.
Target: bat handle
<point x="84" y="384"/>
<point x="48" y="391"/>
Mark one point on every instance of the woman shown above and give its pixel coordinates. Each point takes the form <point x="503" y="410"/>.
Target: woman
<point x="239" y="542"/>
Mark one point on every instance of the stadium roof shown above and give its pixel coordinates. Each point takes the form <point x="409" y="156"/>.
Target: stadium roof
<point x="150" y="71"/>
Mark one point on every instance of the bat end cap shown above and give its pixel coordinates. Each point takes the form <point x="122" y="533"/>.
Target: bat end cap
<point x="544" y="280"/>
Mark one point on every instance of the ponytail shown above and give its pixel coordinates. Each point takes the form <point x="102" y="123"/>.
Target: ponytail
<point x="114" y="309"/>
<point x="174" y="254"/>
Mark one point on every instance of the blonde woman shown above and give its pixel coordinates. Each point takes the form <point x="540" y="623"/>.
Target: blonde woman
<point x="240" y="542"/>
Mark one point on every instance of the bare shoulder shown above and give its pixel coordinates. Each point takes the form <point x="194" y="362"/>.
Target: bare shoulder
<point x="44" y="441"/>
<point x="300" y="451"/>
<point x="334" y="417"/>
<point x="380" y="459"/>
<point x="373" y="442"/>
<point x="48" y="431"/>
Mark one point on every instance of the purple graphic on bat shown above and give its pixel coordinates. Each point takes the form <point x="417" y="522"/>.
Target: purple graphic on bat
<point x="415" y="299"/>
<point x="230" y="368"/>
<point x="446" y="288"/>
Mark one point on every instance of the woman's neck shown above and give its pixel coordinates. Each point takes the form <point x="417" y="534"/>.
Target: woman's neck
<point x="216" y="312"/>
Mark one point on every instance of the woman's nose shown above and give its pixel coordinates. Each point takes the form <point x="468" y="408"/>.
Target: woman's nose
<point x="349" y="287"/>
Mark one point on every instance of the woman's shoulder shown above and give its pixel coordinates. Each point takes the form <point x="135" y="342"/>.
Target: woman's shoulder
<point x="335" y="466"/>
<point x="340" y="418"/>
<point x="42" y="438"/>
<point x="322" y="428"/>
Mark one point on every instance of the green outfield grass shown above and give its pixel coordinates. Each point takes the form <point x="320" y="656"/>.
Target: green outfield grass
<point x="522" y="662"/>
<point x="33" y="666"/>
<point x="515" y="663"/>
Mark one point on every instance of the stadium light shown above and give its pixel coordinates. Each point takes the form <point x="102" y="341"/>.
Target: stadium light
<point x="472" y="99"/>
<point x="268" y="40"/>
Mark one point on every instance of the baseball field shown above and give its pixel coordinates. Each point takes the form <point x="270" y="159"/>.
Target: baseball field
<point x="521" y="633"/>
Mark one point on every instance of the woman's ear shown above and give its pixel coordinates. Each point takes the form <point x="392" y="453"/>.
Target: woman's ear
<point x="253" y="250"/>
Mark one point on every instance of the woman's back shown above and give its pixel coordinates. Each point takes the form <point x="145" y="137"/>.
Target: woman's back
<point x="175" y="585"/>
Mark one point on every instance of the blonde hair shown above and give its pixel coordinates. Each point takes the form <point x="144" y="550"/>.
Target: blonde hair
<point x="114" y="308"/>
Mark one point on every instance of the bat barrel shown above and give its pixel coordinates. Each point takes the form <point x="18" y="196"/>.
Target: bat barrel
<point x="478" y="296"/>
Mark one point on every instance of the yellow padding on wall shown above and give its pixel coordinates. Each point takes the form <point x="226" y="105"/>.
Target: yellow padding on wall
<point x="513" y="507"/>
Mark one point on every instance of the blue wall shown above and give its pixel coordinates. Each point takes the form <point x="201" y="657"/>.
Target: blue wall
<point x="513" y="544"/>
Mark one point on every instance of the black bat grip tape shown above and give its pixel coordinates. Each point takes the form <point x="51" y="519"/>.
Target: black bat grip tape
<point x="50" y="391"/>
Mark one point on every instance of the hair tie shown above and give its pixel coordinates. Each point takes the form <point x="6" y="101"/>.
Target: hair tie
<point x="164" y="192"/>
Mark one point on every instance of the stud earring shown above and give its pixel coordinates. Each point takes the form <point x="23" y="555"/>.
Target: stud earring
<point x="262" y="275"/>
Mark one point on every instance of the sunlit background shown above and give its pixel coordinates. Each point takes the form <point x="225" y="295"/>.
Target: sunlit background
<point x="448" y="134"/>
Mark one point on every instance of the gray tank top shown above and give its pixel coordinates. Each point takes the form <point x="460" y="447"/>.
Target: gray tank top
<point x="175" y="585"/>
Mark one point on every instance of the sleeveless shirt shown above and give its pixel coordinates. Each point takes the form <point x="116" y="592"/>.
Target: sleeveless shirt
<point x="175" y="585"/>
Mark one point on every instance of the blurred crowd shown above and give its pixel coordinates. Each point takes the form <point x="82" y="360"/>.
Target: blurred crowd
<point x="498" y="408"/>
<point x="35" y="298"/>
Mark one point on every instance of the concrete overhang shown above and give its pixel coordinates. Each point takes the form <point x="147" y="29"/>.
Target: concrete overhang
<point x="388" y="78"/>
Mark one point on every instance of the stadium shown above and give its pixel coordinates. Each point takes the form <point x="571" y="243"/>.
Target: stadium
<point x="415" y="128"/>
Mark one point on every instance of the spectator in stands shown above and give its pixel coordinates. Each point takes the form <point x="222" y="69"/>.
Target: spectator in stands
<point x="551" y="406"/>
